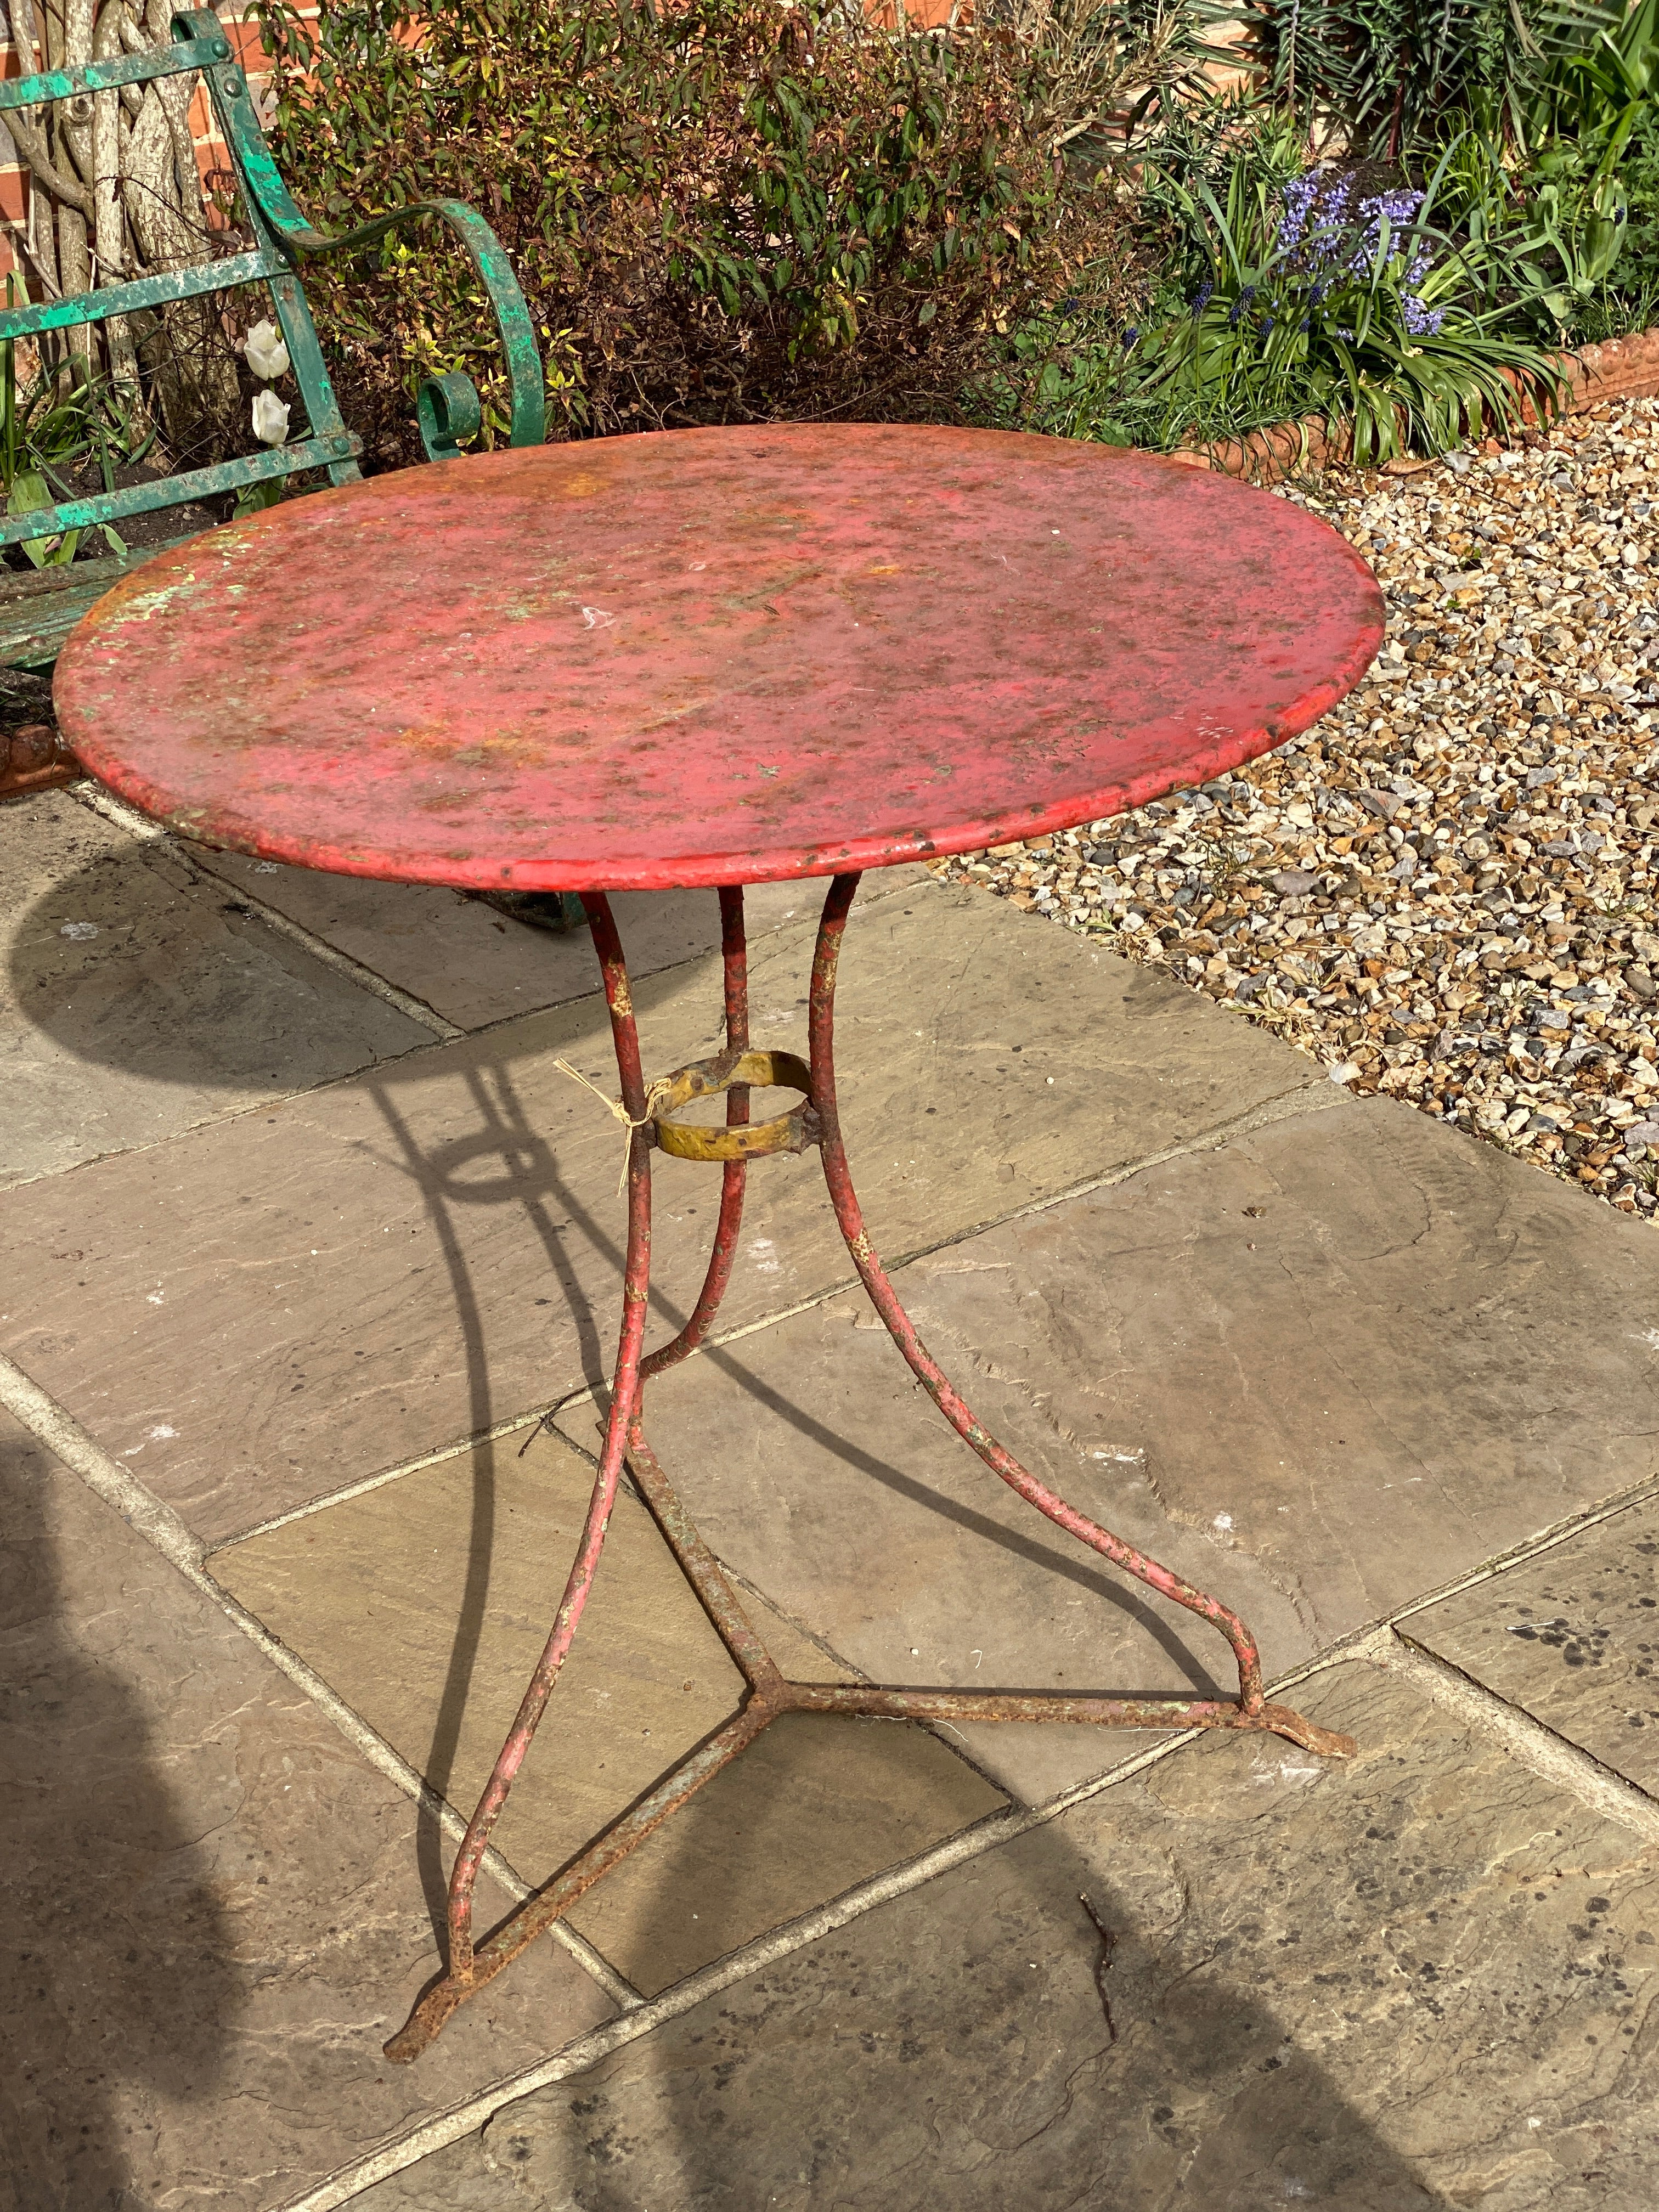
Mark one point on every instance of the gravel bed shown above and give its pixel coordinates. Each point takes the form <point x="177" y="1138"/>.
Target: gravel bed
<point x="1445" y="890"/>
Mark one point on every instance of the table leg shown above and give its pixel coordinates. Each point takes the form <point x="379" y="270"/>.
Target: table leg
<point x="768" y="1692"/>
<point x="469" y="1967"/>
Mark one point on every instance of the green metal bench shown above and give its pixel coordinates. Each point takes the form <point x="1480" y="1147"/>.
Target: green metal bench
<point x="37" y="611"/>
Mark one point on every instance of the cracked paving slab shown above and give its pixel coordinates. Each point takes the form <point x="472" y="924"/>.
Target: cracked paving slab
<point x="1418" y="1980"/>
<point x="264" y="1311"/>
<point x="215" y="1912"/>
<point x="1318" y="1372"/>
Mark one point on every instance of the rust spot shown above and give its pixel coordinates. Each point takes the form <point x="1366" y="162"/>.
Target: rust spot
<point x="581" y="483"/>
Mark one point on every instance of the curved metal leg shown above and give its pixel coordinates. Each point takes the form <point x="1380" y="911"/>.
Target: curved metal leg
<point x="734" y="965"/>
<point x="932" y="1378"/>
<point x="462" y="1977"/>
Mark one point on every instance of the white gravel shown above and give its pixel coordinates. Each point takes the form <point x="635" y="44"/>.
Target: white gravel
<point x="1446" y="890"/>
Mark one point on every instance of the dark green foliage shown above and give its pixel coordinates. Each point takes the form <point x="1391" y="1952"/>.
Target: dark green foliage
<point x="1387" y="72"/>
<point x="1388" y="76"/>
<point x="732" y="210"/>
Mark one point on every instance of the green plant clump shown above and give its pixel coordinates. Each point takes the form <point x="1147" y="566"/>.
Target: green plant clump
<point x="56" y="425"/>
<point x="1295" y="291"/>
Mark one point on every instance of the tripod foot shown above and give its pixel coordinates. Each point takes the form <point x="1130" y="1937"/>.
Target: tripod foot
<point x="1280" y="1720"/>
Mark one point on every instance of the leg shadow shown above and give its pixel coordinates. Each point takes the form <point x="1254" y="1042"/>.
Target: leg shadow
<point x="504" y="1161"/>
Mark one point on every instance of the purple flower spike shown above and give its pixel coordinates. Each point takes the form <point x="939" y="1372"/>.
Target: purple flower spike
<point x="1299" y="196"/>
<point x="1422" y="321"/>
<point x="1399" y="208"/>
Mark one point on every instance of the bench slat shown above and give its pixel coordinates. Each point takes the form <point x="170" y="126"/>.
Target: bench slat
<point x="177" y="491"/>
<point x="222" y="276"/>
<point x="107" y="77"/>
<point x="38" y="612"/>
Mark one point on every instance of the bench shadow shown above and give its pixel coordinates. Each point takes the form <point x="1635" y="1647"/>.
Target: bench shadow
<point x="118" y="2001"/>
<point x="140" y="961"/>
<point x="130" y="963"/>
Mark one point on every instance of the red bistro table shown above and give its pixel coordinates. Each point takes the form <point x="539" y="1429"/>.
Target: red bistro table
<point x="714" y="658"/>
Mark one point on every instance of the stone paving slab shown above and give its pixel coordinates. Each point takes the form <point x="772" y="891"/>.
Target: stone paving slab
<point x="473" y="966"/>
<point x="133" y="1005"/>
<point x="1420" y="1980"/>
<point x="1572" y="1637"/>
<point x="215" y="1913"/>
<point x="268" y="1311"/>
<point x="1318" y="1372"/>
<point x="426" y="1602"/>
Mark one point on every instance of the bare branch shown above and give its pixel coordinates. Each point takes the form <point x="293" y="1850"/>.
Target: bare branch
<point x="31" y="142"/>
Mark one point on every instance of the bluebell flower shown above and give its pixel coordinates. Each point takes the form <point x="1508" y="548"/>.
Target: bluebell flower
<point x="1202" y="296"/>
<point x="1266" y="324"/>
<point x="1299" y="196"/>
<point x="1398" y="207"/>
<point x="1306" y="323"/>
<point x="1420" y="320"/>
<point x="1312" y="233"/>
<point x="1236" y="312"/>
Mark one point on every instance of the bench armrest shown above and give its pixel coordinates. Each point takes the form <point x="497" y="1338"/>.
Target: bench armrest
<point x="294" y="236"/>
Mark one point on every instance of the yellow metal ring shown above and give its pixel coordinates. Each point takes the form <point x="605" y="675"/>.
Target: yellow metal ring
<point x="705" y="1078"/>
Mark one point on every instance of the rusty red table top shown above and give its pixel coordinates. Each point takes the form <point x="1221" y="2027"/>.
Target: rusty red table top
<point x="713" y="656"/>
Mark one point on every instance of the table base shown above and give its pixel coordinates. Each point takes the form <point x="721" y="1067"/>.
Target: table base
<point x="648" y="1113"/>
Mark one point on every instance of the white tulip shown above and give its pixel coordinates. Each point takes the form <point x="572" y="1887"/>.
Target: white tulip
<point x="270" y="418"/>
<point x="266" y="355"/>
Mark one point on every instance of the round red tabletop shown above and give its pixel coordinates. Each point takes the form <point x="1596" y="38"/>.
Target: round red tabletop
<point x="713" y="656"/>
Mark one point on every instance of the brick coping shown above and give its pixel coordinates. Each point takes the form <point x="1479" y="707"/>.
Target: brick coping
<point x="1618" y="368"/>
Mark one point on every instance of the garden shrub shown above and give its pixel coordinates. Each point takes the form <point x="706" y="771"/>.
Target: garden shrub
<point x="724" y="210"/>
